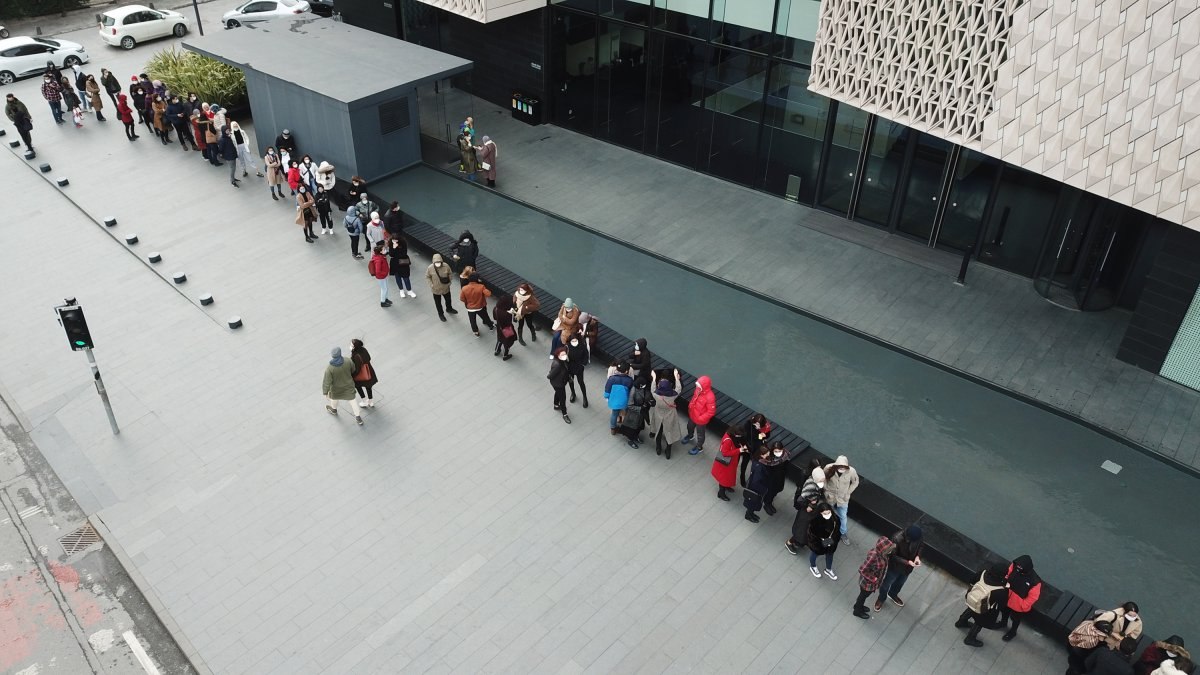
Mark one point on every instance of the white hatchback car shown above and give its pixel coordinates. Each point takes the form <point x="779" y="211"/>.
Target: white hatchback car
<point x="24" y="56"/>
<point x="259" y="10"/>
<point x="126" y="26"/>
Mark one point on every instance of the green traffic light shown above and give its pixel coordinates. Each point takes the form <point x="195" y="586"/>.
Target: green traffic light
<point x="81" y="343"/>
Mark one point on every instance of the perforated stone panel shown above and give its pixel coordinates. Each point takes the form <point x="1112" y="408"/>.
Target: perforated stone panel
<point x="484" y="11"/>
<point x="1183" y="361"/>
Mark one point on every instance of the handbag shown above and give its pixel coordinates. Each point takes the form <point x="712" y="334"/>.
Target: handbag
<point x="723" y="460"/>
<point x="486" y="166"/>
<point x="827" y="542"/>
<point x="508" y="333"/>
<point x="364" y="373"/>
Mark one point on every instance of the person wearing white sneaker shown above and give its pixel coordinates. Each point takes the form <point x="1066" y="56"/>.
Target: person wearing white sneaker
<point x="822" y="539"/>
<point x="364" y="372"/>
<point x="338" y="384"/>
<point x="401" y="265"/>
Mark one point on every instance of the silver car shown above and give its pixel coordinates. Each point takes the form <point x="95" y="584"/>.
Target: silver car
<point x="260" y="10"/>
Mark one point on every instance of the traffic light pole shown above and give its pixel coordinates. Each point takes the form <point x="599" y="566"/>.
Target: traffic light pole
<point x="112" y="420"/>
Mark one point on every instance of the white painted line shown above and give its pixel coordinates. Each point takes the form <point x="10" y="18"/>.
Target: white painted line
<point x="29" y="511"/>
<point x="1111" y="467"/>
<point x="139" y="653"/>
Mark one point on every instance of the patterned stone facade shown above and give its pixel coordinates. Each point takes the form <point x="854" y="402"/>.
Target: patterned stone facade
<point x="1103" y="95"/>
<point x="484" y="11"/>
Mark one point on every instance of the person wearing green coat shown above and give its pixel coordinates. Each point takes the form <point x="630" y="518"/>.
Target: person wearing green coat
<point x="338" y="384"/>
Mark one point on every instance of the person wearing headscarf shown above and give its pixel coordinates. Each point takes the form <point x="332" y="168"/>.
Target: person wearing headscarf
<point x="338" y="384"/>
<point x="565" y="324"/>
<point x="1024" y="589"/>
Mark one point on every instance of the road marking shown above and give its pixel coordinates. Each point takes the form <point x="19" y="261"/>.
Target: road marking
<point x="139" y="653"/>
<point x="1111" y="467"/>
<point x="29" y="511"/>
<point x="102" y="640"/>
<point x="31" y="670"/>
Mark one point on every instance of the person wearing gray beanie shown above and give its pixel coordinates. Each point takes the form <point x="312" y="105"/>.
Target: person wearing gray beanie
<point x="338" y="384"/>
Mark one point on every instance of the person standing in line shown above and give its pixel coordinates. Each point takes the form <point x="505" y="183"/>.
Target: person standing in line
<point x="665" y="425"/>
<point x="637" y="413"/>
<point x="488" y="156"/>
<point x="324" y="210"/>
<point x="401" y="265"/>
<point x="724" y="467"/>
<point x="18" y="114"/>
<point x="241" y="140"/>
<point x="378" y="267"/>
<point x="465" y="251"/>
<point x="178" y="115"/>
<point x="162" y="127"/>
<point x="466" y="154"/>
<point x="354" y="227"/>
<point x="822" y="539"/>
<point x="366" y="208"/>
<point x="984" y="600"/>
<point x="905" y="559"/>
<point x="774" y="475"/>
<point x="275" y="178"/>
<point x="506" y="333"/>
<point x="1112" y="661"/>
<point x="71" y="102"/>
<point x="110" y="84"/>
<point x="125" y="114"/>
<point x="578" y="358"/>
<point x="438" y="275"/>
<point x="229" y="154"/>
<point x="526" y="303"/>
<point x="286" y="142"/>
<point x="757" y="429"/>
<point x="91" y="90"/>
<point x="558" y="382"/>
<point x="365" y="377"/>
<point x="1083" y="640"/>
<point x="328" y="180"/>
<point x="52" y="92"/>
<point x="81" y="86"/>
<point x="701" y="408"/>
<point x="306" y="214"/>
<point x="374" y="230"/>
<point x="308" y="173"/>
<point x="617" y="389"/>
<point x="768" y="463"/>
<point x="211" y="138"/>
<point x="565" y="324"/>
<point x="393" y="221"/>
<point x="1024" y="589"/>
<point x="871" y="574"/>
<point x="1125" y="621"/>
<point x="812" y="492"/>
<point x="338" y="384"/>
<point x="1157" y="652"/>
<point x="198" y="134"/>
<point x="842" y="481"/>
<point x="356" y="191"/>
<point x="137" y="98"/>
<point x="641" y="361"/>
<point x="218" y="115"/>
<point x="148" y="114"/>
<point x="474" y="297"/>
<point x="293" y="176"/>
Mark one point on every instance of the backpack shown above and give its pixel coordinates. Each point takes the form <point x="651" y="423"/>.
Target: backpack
<point x="349" y="222"/>
<point x="978" y="596"/>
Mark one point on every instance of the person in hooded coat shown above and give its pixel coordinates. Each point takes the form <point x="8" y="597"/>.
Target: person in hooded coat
<point x="125" y="114"/>
<point x="701" y="408"/>
<point x="905" y="559"/>
<point x="241" y="140"/>
<point x="665" y="425"/>
<point x="354" y="227"/>
<point x="92" y="91"/>
<point x="724" y="467"/>
<point x="775" y="476"/>
<point x="1181" y="665"/>
<point x="640" y="360"/>
<point x="812" y="492"/>
<point x="465" y="251"/>
<point x="393" y="220"/>
<point x="1024" y="589"/>
<point x="757" y="430"/>
<point x="18" y="114"/>
<point x="754" y="496"/>
<point x="401" y="265"/>
<point x="526" y="303"/>
<point x="324" y="210"/>
<point x="438" y="275"/>
<point x="1157" y="652"/>
<point x="578" y="358"/>
<point x="228" y="150"/>
<point x="842" y="482"/>
<point x="365" y="377"/>
<point x="286" y="142"/>
<point x="558" y="382"/>
<point x="992" y="592"/>
<point x="871" y="574"/>
<point x="338" y="384"/>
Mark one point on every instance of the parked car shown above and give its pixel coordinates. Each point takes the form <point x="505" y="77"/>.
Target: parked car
<point x="260" y="10"/>
<point x="24" y="56"/>
<point x="3" y="33"/>
<point x="321" y="7"/>
<point x="126" y="26"/>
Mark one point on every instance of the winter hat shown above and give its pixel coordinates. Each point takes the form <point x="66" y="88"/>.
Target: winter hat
<point x="913" y="533"/>
<point x="569" y="303"/>
<point x="584" y="317"/>
<point x="841" y="461"/>
<point x="214" y="108"/>
<point x="818" y="477"/>
<point x="325" y="167"/>
<point x="133" y="79"/>
<point x="286" y="133"/>
<point x="374" y="215"/>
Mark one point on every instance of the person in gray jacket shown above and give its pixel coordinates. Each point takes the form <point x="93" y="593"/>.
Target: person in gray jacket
<point x="842" y="482"/>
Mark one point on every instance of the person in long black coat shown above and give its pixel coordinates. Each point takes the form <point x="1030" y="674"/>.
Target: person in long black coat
<point x="822" y="527"/>
<point x="506" y="334"/>
<point x="465" y="251"/>
<point x="360" y="357"/>
<point x="640" y="362"/>
<point x="558" y="381"/>
<point x="578" y="357"/>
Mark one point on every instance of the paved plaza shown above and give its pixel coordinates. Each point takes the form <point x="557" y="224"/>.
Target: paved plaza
<point x="464" y="528"/>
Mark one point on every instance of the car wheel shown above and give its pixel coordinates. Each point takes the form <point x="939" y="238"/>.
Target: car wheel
<point x="232" y="23"/>
<point x="3" y="33"/>
<point x="128" y="42"/>
<point x="71" y="61"/>
<point x="180" y="30"/>
<point x="7" y="77"/>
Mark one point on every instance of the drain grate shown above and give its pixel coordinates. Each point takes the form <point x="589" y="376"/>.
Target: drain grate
<point x="79" y="539"/>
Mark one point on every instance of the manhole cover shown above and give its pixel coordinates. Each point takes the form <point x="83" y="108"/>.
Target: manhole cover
<point x="79" y="539"/>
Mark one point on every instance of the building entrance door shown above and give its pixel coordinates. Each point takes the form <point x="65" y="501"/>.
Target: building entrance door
<point x="1085" y="258"/>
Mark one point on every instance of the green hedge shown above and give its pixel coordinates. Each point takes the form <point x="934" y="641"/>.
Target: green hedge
<point x="17" y="9"/>
<point x="213" y="81"/>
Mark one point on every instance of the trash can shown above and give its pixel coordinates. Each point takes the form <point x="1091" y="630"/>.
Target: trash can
<point x="526" y="109"/>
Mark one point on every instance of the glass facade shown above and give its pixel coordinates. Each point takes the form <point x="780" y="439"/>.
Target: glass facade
<point x="720" y="86"/>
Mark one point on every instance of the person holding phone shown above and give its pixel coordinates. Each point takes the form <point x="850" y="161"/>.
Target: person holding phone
<point x="905" y="559"/>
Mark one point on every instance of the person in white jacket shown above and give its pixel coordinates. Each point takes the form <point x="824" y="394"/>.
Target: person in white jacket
<point x="325" y="177"/>
<point x="308" y="173"/>
<point x="242" y="140"/>
<point x="375" y="230"/>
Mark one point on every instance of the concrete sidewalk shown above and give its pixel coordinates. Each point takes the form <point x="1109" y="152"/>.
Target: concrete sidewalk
<point x="464" y="528"/>
<point x="996" y="327"/>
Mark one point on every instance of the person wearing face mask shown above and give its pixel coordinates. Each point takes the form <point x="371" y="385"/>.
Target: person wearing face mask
<point x="775" y="475"/>
<point x="306" y="213"/>
<point x="756" y="429"/>
<point x="218" y="114"/>
<point x="842" y="482"/>
<point x="474" y="297"/>
<point x="1157" y="652"/>
<point x="308" y="173"/>
<point x="275" y="177"/>
<point x="52" y="92"/>
<point x="905" y="559"/>
<point x="324" y="210"/>
<point x="701" y="408"/>
<point x="811" y="493"/>
<point x="177" y="115"/>
<point x="1125" y="621"/>
<point x="125" y="114"/>
<point x="665" y="426"/>
<point x="617" y="389"/>
<point x="241" y="140"/>
<point x="358" y="188"/>
<point x="374" y="229"/>
<point x="338" y="384"/>
<point x="286" y="142"/>
<point x="354" y="227"/>
<point x="640" y="360"/>
<point x="637" y="413"/>
<point x="293" y="178"/>
<point x="526" y="303"/>
<point x="821" y="538"/>
<point x="565" y="324"/>
<point x="393" y="220"/>
<point x="438" y="275"/>
<point x="161" y="128"/>
<point x="1111" y="661"/>
<point x="984" y="599"/>
<point x="71" y="101"/>
<point x="506" y="334"/>
<point x="148" y="114"/>
<point x="578" y="358"/>
<point x="92" y="93"/>
<point x="558" y="382"/>
<point x="724" y="467"/>
<point x="366" y="207"/>
<point x="770" y="461"/>
<point x="110" y="84"/>
<point x="465" y="251"/>
<point x="401" y="264"/>
<point x="328" y="180"/>
<point x="378" y="268"/>
<point x="211" y="137"/>
<point x="229" y="153"/>
<point x="18" y="114"/>
<point x="871" y="574"/>
<point x="1024" y="589"/>
<point x="81" y="86"/>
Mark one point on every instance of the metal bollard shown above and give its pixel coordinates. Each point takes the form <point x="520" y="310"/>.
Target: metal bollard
<point x="962" y="271"/>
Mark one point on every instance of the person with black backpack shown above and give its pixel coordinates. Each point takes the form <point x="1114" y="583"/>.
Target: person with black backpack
<point x="984" y="600"/>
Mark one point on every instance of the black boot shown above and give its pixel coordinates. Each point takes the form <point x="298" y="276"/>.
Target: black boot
<point x="667" y="452"/>
<point x="751" y="516"/>
<point x="964" y="620"/>
<point x="532" y="334"/>
<point x="721" y="494"/>
<point x="972" y="639"/>
<point x="572" y="385"/>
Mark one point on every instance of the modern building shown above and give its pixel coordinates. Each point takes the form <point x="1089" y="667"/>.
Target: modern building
<point x="1056" y="139"/>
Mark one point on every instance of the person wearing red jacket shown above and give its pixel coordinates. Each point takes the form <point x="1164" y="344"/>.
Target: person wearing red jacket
<point x="701" y="409"/>
<point x="125" y="114"/>
<point x="724" y="467"/>
<point x="1024" y="589"/>
<point x="378" y="267"/>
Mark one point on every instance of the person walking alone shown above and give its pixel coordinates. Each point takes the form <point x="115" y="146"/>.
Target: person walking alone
<point x="401" y="265"/>
<point x="842" y="482"/>
<point x="125" y="114"/>
<point x="18" y="114"/>
<point x="338" y="384"/>
<point x="905" y="559"/>
<point x="526" y="303"/>
<point x="506" y="334"/>
<point x="474" y="297"/>
<point x="378" y="267"/>
<point x="306" y="213"/>
<point x="701" y="408"/>
<point x="438" y="276"/>
<point x="365" y="378"/>
<point x="871" y="574"/>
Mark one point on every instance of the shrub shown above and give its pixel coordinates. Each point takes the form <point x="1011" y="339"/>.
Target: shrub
<point x="16" y="9"/>
<point x="213" y="81"/>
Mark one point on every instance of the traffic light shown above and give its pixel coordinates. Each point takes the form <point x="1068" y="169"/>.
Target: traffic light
<point x="73" y="322"/>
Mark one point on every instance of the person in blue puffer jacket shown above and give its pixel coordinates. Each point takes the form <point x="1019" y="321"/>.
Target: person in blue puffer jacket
<point x="616" y="391"/>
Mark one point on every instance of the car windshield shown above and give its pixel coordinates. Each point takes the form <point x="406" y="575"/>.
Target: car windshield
<point x="47" y="41"/>
<point x="108" y="20"/>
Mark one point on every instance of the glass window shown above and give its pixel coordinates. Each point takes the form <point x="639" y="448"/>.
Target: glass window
<point x="686" y="17"/>
<point x="841" y="164"/>
<point x="795" y="129"/>
<point x="885" y="158"/>
<point x="573" y="70"/>
<point x="974" y="175"/>
<point x="585" y="5"/>
<point x="732" y="110"/>
<point x="675" y="85"/>
<point x="1019" y="220"/>
<point x="621" y="85"/>
<point x="926" y="176"/>
<point x="633" y="11"/>
<point x="744" y="23"/>
<point x="796" y="27"/>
